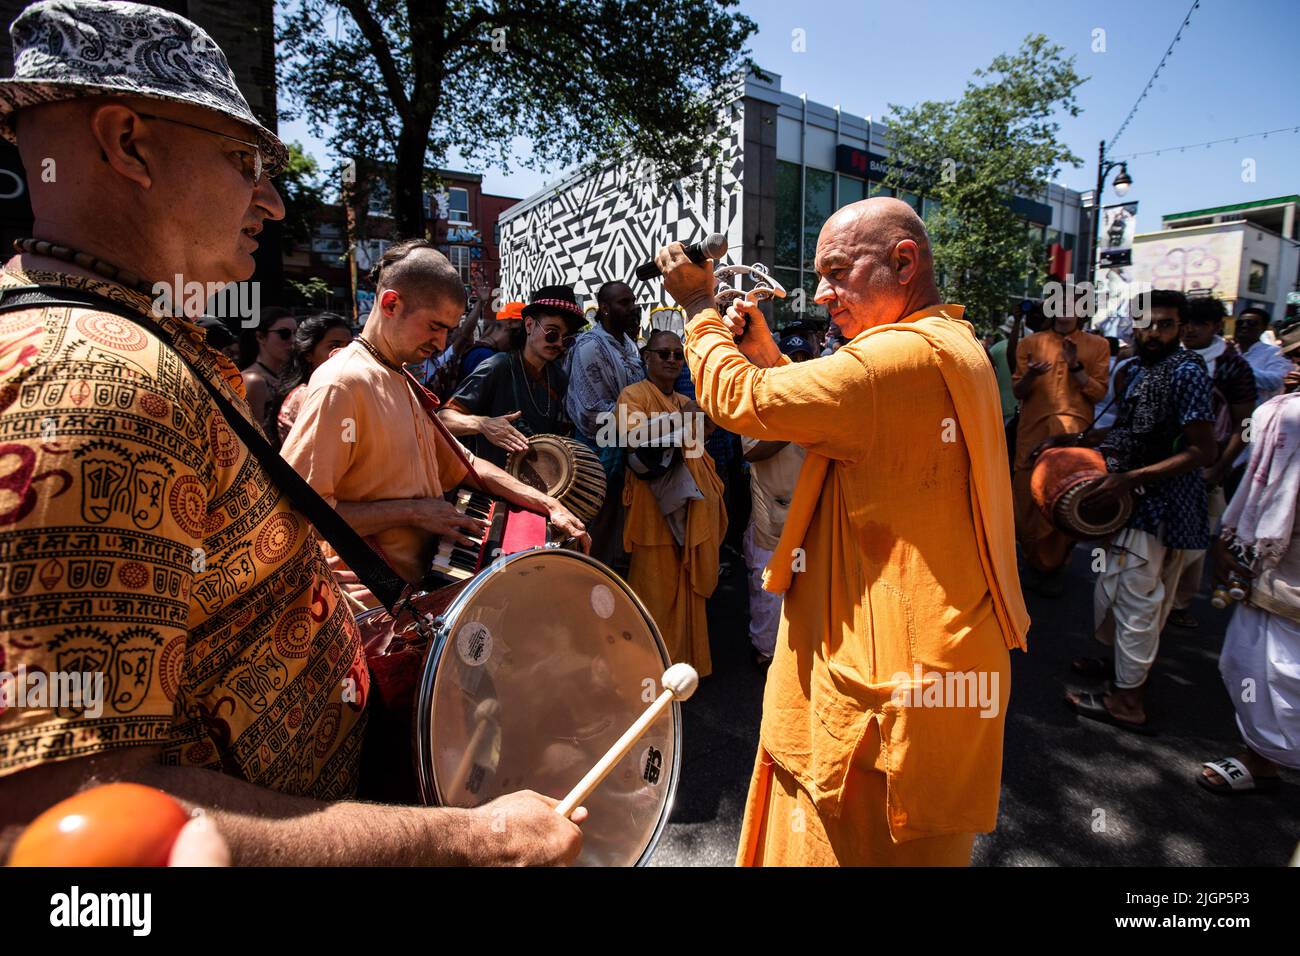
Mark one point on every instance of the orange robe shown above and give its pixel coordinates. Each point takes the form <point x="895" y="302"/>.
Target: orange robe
<point x="1055" y="406"/>
<point x="898" y="563"/>
<point x="674" y="582"/>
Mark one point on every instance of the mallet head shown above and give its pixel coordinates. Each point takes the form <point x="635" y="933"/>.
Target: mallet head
<point x="682" y="680"/>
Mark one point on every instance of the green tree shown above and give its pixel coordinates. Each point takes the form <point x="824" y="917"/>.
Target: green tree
<point x="971" y="155"/>
<point x="407" y="82"/>
<point x="304" y="196"/>
<point x="313" y="293"/>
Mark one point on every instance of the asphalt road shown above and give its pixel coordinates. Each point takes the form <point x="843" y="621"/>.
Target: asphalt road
<point x="1074" y="792"/>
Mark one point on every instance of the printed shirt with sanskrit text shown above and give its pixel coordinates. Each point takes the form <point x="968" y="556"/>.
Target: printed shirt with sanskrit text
<point x="139" y="539"/>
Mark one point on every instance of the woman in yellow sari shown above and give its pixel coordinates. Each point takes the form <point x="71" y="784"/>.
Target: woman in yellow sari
<point x="675" y="521"/>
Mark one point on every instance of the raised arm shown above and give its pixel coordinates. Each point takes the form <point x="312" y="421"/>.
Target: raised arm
<point x="820" y="403"/>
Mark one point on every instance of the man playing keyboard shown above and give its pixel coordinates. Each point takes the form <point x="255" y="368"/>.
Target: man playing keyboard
<point x="365" y="443"/>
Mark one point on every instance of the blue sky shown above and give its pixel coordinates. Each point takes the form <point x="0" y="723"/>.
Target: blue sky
<point x="1234" y="72"/>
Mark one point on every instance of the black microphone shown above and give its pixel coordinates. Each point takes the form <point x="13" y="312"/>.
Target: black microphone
<point x="713" y="246"/>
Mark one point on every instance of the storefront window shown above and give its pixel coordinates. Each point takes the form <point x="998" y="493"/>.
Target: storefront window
<point x="851" y="190"/>
<point x="817" y="208"/>
<point x="912" y="199"/>
<point x="878" y="190"/>
<point x="782" y="309"/>
<point x="787" y="213"/>
<point x="929" y="207"/>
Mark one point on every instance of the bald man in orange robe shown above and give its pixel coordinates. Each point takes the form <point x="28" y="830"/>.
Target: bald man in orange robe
<point x="881" y="739"/>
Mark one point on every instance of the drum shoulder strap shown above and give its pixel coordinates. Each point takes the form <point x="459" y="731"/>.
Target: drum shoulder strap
<point x="373" y="571"/>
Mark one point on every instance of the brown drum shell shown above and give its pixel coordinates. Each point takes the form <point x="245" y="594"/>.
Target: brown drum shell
<point x="1061" y="483"/>
<point x="565" y="469"/>
<point x="395" y="654"/>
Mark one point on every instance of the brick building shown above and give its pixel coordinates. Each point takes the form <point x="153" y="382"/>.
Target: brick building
<point x="460" y="219"/>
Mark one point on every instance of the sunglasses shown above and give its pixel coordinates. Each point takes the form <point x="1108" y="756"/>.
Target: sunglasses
<point x="555" y="335"/>
<point x="285" y="334"/>
<point x="252" y="162"/>
<point x="666" y="354"/>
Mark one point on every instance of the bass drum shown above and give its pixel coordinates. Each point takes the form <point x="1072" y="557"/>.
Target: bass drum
<point x="535" y="668"/>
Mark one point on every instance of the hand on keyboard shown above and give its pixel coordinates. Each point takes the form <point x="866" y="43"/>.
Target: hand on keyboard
<point x="441" y="518"/>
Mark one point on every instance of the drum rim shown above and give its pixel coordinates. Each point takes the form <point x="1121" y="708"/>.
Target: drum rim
<point x="426" y="778"/>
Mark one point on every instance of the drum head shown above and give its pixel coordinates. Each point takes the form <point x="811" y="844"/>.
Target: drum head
<point x="543" y="466"/>
<point x="539" y="666"/>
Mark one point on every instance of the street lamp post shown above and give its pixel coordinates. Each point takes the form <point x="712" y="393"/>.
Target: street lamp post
<point x="1122" y="182"/>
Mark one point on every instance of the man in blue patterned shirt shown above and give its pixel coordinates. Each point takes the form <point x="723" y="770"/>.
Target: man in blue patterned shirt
<point x="1162" y="438"/>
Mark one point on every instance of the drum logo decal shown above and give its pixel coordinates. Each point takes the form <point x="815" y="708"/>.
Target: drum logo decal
<point x="474" y="644"/>
<point x="651" y="765"/>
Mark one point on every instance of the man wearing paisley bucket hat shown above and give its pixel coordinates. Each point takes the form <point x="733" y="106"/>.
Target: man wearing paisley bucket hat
<point x="140" y="540"/>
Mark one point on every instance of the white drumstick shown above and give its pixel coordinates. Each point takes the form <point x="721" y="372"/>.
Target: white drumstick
<point x="485" y="716"/>
<point x="679" y="682"/>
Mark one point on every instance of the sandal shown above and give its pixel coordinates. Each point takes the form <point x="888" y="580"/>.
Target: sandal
<point x="1237" y="779"/>
<point x="1094" y="668"/>
<point x="1183" y="619"/>
<point x="1093" y="706"/>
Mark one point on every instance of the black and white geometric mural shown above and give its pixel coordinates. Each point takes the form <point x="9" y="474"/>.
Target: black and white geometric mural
<point x="597" y="228"/>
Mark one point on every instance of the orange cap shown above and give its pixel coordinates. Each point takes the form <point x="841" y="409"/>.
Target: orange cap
<point x="511" y="310"/>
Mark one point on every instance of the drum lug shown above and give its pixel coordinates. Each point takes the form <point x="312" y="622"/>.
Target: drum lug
<point x="430" y="628"/>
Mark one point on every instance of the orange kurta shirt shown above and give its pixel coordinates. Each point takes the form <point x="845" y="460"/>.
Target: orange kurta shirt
<point x="1058" y="404"/>
<point x="361" y="435"/>
<point x="906" y="559"/>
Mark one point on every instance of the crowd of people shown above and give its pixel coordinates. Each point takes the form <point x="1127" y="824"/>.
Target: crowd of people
<point x="873" y="485"/>
<point x="1195" y="428"/>
<point x="538" y="368"/>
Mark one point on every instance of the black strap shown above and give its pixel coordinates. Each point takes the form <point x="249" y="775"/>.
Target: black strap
<point x="372" y="570"/>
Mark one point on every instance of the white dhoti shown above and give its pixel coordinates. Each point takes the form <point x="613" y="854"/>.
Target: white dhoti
<point x="1133" y="598"/>
<point x="1260" y="664"/>
<point x="764" y="606"/>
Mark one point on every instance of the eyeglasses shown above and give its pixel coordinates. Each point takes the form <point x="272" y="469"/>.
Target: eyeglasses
<point x="253" y="163"/>
<point x="553" y="335"/>
<point x="666" y="354"/>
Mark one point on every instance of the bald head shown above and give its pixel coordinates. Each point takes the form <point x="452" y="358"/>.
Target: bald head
<point x="880" y="221"/>
<point x="420" y="273"/>
<point x="874" y="265"/>
<point x="419" y="298"/>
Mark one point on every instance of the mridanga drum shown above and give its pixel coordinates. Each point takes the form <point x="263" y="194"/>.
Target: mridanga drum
<point x="565" y="469"/>
<point x="1063" y="484"/>
<point x="522" y="678"/>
